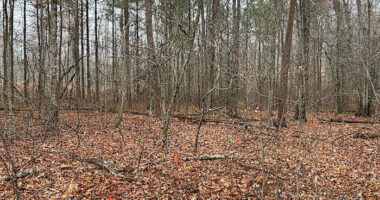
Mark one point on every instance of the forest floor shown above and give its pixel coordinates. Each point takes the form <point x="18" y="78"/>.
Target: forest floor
<point x="330" y="163"/>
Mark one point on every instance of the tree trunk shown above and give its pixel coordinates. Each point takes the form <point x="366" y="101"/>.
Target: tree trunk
<point x="372" y="76"/>
<point x="137" y="52"/>
<point x="26" y="79"/>
<point x="126" y="59"/>
<point x="88" y="52"/>
<point x="54" y="99"/>
<point x="285" y="62"/>
<point x="214" y="29"/>
<point x="234" y="68"/>
<point x="97" y="89"/>
<point x="41" y="60"/>
<point x="303" y="70"/>
<point x="154" y="67"/>
<point x="82" y="80"/>
<point x="76" y="55"/>
<point x="11" y="48"/>
<point x="113" y="75"/>
<point x="338" y="66"/>
<point x="5" y="52"/>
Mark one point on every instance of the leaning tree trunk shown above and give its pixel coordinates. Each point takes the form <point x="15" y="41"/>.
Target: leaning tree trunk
<point x="285" y="62"/>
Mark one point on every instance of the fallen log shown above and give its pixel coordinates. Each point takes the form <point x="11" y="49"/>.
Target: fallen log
<point x="340" y="120"/>
<point x="364" y="135"/>
<point x="208" y="157"/>
<point x="239" y="123"/>
<point x="193" y="118"/>
<point x="21" y="174"/>
<point x="246" y="167"/>
<point x="102" y="164"/>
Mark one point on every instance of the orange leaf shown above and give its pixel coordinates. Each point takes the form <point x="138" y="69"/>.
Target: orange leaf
<point x="123" y="116"/>
<point x="315" y="123"/>
<point x="265" y="131"/>
<point x="71" y="113"/>
<point x="97" y="112"/>
<point x="176" y="158"/>
<point x="239" y="140"/>
<point x="257" y="117"/>
<point x="290" y="129"/>
<point x="107" y="148"/>
<point x="109" y="198"/>
<point x="186" y="121"/>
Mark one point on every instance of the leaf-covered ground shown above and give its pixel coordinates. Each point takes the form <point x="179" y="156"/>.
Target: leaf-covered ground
<point x="331" y="163"/>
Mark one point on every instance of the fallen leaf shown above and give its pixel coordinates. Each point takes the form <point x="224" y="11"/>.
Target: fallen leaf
<point x="176" y="158"/>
